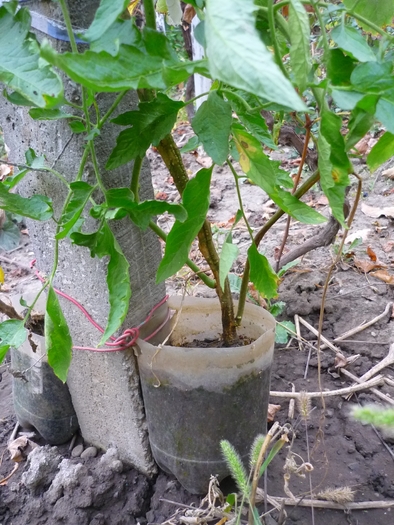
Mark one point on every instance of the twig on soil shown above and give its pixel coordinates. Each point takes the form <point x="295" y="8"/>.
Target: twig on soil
<point x="9" y="311"/>
<point x="359" y="505"/>
<point x="16" y="263"/>
<point x="315" y="332"/>
<point x="14" y="433"/>
<point x="340" y="392"/>
<point x="387" y="361"/>
<point x="361" y="327"/>
<point x="298" y="331"/>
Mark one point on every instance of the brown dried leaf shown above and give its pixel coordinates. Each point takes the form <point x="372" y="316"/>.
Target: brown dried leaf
<point x="384" y="276"/>
<point x="371" y="254"/>
<point x="16" y="448"/>
<point x="188" y="14"/>
<point x="272" y="410"/>
<point x="388" y="246"/>
<point x="375" y="212"/>
<point x="367" y="266"/>
<point x="340" y="361"/>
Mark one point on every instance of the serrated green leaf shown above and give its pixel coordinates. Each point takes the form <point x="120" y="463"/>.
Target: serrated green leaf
<point x="12" y="333"/>
<point x="262" y="275"/>
<point x="57" y="337"/>
<point x="81" y="192"/>
<point x="353" y="43"/>
<point x="299" y="32"/>
<point x="385" y="113"/>
<point x="77" y="126"/>
<point x="379" y="12"/>
<point x="212" y="124"/>
<point x="33" y="160"/>
<point x="382" y="151"/>
<point x="267" y="175"/>
<point x="48" y="114"/>
<point x="20" y="68"/>
<point x="37" y="207"/>
<point x="238" y="57"/>
<point x="106" y="14"/>
<point x="330" y="128"/>
<point x="373" y="77"/>
<point x="102" y="243"/>
<point x="195" y="200"/>
<point x="228" y="255"/>
<point x="9" y="235"/>
<point x="150" y="124"/>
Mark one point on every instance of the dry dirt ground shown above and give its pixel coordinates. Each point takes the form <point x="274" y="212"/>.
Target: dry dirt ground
<point x="344" y="453"/>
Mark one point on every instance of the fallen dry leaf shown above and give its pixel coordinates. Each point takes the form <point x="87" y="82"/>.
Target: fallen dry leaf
<point x="340" y="361"/>
<point x="366" y="266"/>
<point x="359" y="234"/>
<point x="384" y="276"/>
<point x="375" y="212"/>
<point x="19" y="448"/>
<point x="272" y="410"/>
<point x="188" y="14"/>
<point x="371" y="254"/>
<point x="388" y="246"/>
<point x="389" y="173"/>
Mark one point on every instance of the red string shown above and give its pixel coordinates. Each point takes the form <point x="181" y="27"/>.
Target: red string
<point x="125" y="340"/>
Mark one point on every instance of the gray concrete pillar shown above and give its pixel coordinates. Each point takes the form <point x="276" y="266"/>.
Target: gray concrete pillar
<point x="104" y="387"/>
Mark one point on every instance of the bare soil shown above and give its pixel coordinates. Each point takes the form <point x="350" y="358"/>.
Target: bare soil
<point x="343" y="452"/>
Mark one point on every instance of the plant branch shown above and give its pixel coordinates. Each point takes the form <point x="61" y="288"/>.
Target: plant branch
<point x="271" y="22"/>
<point x="135" y="178"/>
<point x="306" y="186"/>
<point x="150" y="14"/>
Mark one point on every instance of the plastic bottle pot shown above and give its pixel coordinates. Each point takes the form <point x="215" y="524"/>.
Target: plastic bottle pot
<point x="195" y="397"/>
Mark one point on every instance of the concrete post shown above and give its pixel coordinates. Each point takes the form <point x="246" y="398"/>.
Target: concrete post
<point x="104" y="387"/>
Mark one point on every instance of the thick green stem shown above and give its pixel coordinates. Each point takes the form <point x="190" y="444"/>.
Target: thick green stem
<point x="135" y="178"/>
<point x="258" y="238"/>
<point x="271" y="22"/>
<point x="150" y="14"/>
<point x="173" y="160"/>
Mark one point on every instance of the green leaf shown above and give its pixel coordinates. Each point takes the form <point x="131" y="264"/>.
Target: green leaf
<point x="196" y="202"/>
<point x="360" y="123"/>
<point x="9" y="235"/>
<point x="103" y="243"/>
<point x="20" y="67"/>
<point x="48" y="114"/>
<point x="57" y="337"/>
<point x="228" y="255"/>
<point x="373" y="77"/>
<point x="37" y="207"/>
<point x="191" y="145"/>
<point x="281" y="334"/>
<point x="11" y="182"/>
<point x="3" y="352"/>
<point x="379" y="12"/>
<point x="353" y="43"/>
<point x="120" y="32"/>
<point x="141" y="213"/>
<point x="300" y="60"/>
<point x="12" y="333"/>
<point x="382" y="151"/>
<point x="257" y="127"/>
<point x="33" y="160"/>
<point x="81" y="192"/>
<point x="238" y="57"/>
<point x="339" y="67"/>
<point x="385" y="113"/>
<point x="17" y="99"/>
<point x="332" y="181"/>
<point x="268" y="176"/>
<point x="77" y="126"/>
<point x="105" y="16"/>
<point x="212" y="124"/>
<point x="262" y="275"/>
<point x="330" y="128"/>
<point x="346" y="99"/>
<point x="150" y="124"/>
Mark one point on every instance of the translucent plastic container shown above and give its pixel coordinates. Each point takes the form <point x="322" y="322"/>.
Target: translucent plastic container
<point x="195" y="397"/>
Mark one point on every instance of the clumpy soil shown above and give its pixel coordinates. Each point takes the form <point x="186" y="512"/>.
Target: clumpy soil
<point x="344" y="453"/>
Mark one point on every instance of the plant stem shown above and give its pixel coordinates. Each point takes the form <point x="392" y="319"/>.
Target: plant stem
<point x="111" y="109"/>
<point x="271" y="21"/>
<point x="173" y="160"/>
<point x="259" y="236"/>
<point x="150" y="14"/>
<point x="236" y="178"/>
<point x="135" y="178"/>
<point x="67" y="21"/>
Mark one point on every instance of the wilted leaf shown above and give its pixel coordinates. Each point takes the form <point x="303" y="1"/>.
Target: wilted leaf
<point x="371" y="254"/>
<point x="366" y="266"/>
<point x="272" y="410"/>
<point x="262" y="274"/>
